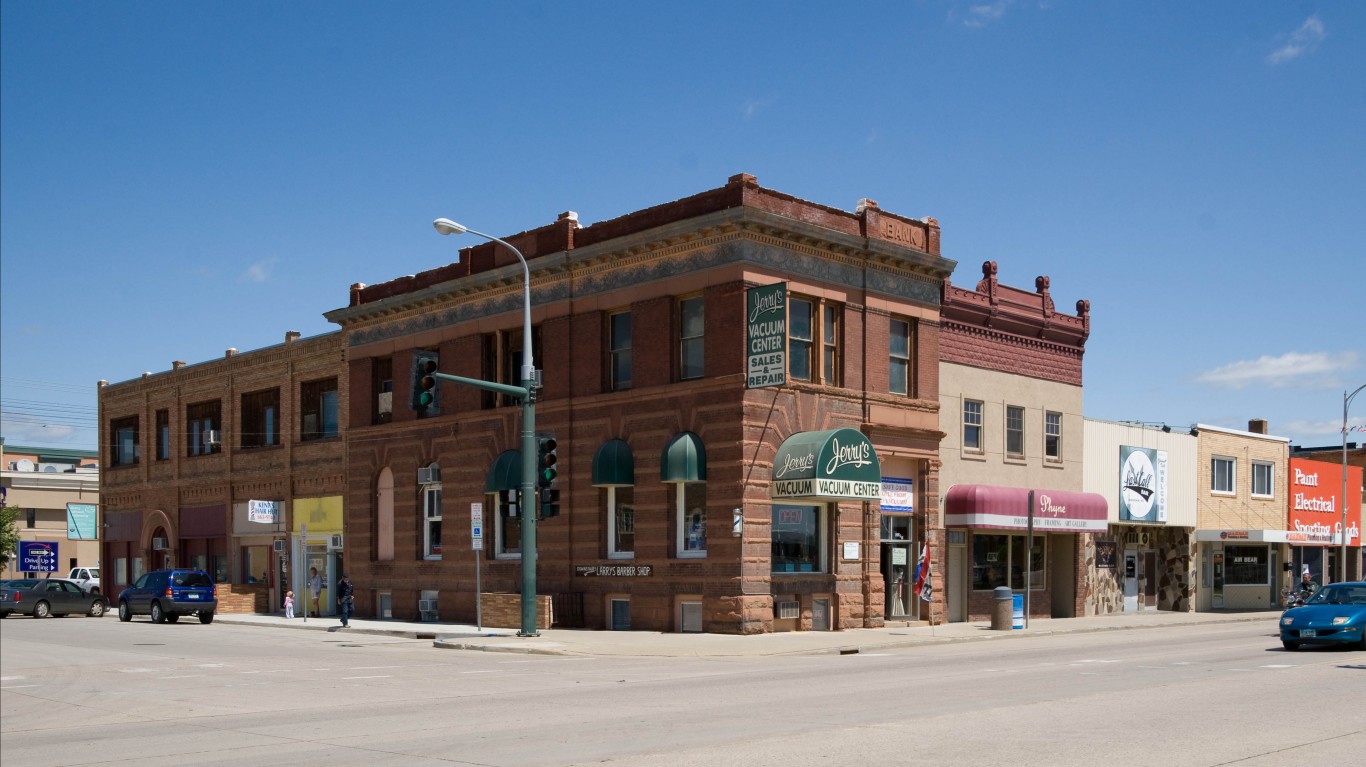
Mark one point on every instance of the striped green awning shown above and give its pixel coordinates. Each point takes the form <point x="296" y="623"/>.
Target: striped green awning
<point x="613" y="465"/>
<point x="506" y="473"/>
<point x="684" y="459"/>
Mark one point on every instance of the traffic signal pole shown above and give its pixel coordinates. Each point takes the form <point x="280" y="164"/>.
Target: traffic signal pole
<point x="527" y="394"/>
<point x="527" y="502"/>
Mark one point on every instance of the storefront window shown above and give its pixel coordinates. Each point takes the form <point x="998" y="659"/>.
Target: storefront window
<point x="255" y="564"/>
<point x="690" y="500"/>
<point x="1245" y="565"/>
<point x="120" y="569"/>
<point x="798" y="539"/>
<point x="137" y="568"/>
<point x="993" y="556"/>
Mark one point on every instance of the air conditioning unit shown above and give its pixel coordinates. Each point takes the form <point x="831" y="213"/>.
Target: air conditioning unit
<point x="384" y="403"/>
<point x="426" y="605"/>
<point x="1131" y="539"/>
<point x="159" y="544"/>
<point x="334" y="542"/>
<point x="212" y="437"/>
<point x="279" y="547"/>
<point x="789" y="609"/>
<point x="428" y="476"/>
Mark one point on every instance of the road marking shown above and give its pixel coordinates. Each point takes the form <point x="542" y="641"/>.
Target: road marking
<point x="372" y="668"/>
<point x="10" y="678"/>
<point x="186" y="676"/>
<point x="1284" y="665"/>
<point x="1093" y="660"/>
<point x="136" y="670"/>
<point x="488" y="671"/>
<point x="377" y="676"/>
<point x="17" y="686"/>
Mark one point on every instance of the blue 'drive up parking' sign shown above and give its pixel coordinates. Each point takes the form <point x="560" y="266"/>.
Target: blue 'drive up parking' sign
<point x="37" y="556"/>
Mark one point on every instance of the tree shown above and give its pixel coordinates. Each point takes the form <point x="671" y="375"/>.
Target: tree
<point x="9" y="533"/>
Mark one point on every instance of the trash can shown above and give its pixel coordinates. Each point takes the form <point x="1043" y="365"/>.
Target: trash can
<point x="1001" y="610"/>
<point x="1017" y="612"/>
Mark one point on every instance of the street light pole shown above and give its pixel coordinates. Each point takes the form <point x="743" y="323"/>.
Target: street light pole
<point x="1342" y="555"/>
<point x="526" y="505"/>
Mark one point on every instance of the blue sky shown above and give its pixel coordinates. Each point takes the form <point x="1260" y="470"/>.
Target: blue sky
<point x="181" y="178"/>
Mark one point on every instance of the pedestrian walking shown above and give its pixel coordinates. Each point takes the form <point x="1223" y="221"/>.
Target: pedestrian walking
<point x="289" y="604"/>
<point x="346" y="599"/>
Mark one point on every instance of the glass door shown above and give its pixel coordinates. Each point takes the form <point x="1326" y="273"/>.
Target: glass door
<point x="897" y="558"/>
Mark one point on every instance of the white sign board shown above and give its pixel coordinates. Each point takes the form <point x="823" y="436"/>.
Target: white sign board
<point x="263" y="511"/>
<point x="851" y="550"/>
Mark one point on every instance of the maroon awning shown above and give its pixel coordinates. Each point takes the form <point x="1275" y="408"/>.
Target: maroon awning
<point x="1007" y="508"/>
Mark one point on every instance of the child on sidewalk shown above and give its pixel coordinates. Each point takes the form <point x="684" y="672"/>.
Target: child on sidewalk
<point x="289" y="604"/>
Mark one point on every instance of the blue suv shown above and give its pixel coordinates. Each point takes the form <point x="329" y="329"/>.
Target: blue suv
<point x="168" y="594"/>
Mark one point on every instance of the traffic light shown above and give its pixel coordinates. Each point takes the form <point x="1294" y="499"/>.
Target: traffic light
<point x="424" y="383"/>
<point x="545" y="460"/>
<point x="550" y="502"/>
<point x="546" y="471"/>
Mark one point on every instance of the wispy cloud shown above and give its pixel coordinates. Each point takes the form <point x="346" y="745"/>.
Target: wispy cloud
<point x="259" y="271"/>
<point x="753" y="107"/>
<point x="1290" y="369"/>
<point x="1302" y="41"/>
<point x="986" y="13"/>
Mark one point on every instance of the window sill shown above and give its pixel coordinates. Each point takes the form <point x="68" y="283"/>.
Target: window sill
<point x="973" y="455"/>
<point x="1018" y="460"/>
<point x="432" y="558"/>
<point x="1272" y="497"/>
<point x="1224" y="493"/>
<point x="621" y="555"/>
<point x="508" y="557"/>
<point x="692" y="554"/>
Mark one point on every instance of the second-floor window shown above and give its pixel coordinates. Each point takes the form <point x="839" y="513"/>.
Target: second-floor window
<point x="163" y="435"/>
<point x="502" y="362"/>
<point x="972" y="425"/>
<point x="901" y="371"/>
<point x="1221" y="474"/>
<point x="619" y="350"/>
<point x="1263" y="482"/>
<point x="382" y="384"/>
<point x="813" y="327"/>
<point x="318" y="409"/>
<point x="260" y="419"/>
<point x="1052" y="436"/>
<point x="204" y="420"/>
<point x="690" y="334"/>
<point x="1015" y="431"/>
<point x="123" y="441"/>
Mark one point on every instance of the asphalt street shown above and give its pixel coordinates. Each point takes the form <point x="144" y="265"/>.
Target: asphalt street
<point x="85" y="691"/>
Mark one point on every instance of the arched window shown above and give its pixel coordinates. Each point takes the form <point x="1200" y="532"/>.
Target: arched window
<point x="384" y="515"/>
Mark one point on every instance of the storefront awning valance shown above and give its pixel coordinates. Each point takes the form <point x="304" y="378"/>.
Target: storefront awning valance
<point x="684" y="459"/>
<point x="506" y="473"/>
<point x="613" y="465"/>
<point x="1007" y="508"/>
<point x="837" y="463"/>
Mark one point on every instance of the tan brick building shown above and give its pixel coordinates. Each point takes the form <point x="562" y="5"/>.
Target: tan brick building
<point x="673" y="517"/>
<point x="1240" y="534"/>
<point x="40" y="482"/>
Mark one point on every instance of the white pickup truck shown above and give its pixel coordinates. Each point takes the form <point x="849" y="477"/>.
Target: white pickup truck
<point x="87" y="577"/>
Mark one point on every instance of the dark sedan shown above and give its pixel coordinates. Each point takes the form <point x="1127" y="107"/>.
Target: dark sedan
<point x="42" y="597"/>
<point x="1336" y="614"/>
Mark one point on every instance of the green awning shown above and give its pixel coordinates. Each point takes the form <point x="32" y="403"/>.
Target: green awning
<point x="838" y="463"/>
<point x="684" y="459"/>
<point x="506" y="473"/>
<point x="613" y="465"/>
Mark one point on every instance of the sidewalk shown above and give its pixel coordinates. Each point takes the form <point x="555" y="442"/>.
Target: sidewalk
<point x="655" y="644"/>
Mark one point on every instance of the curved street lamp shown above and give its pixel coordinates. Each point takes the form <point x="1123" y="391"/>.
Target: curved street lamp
<point x="527" y="395"/>
<point x="1342" y="556"/>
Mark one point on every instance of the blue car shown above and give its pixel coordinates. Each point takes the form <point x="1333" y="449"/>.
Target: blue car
<point x="1336" y="614"/>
